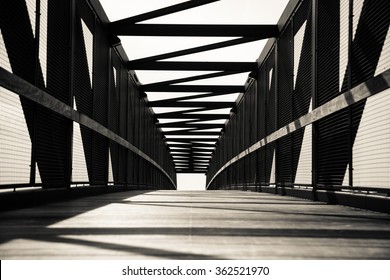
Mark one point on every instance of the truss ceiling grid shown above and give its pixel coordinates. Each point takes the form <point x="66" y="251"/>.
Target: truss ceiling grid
<point x="192" y="72"/>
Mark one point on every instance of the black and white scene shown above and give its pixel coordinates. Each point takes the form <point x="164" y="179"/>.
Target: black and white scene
<point x="195" y="130"/>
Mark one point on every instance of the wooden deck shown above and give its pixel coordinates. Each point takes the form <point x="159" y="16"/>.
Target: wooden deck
<point x="193" y="225"/>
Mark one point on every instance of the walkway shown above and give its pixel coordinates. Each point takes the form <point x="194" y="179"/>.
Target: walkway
<point x="193" y="225"/>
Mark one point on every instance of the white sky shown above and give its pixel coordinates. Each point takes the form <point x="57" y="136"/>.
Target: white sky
<point x="220" y="12"/>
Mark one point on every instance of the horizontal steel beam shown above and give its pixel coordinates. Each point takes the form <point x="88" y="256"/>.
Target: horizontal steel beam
<point x="172" y="145"/>
<point x="191" y="171"/>
<point x="191" y="125"/>
<point x="208" y="105"/>
<point x="183" y="139"/>
<point x="176" y="115"/>
<point x="189" y="149"/>
<point x="193" y="88"/>
<point x="208" y="133"/>
<point x="263" y="31"/>
<point x="194" y="66"/>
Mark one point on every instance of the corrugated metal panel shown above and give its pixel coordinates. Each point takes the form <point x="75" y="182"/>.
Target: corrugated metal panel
<point x="371" y="32"/>
<point x="123" y="93"/>
<point x="43" y="39"/>
<point x="384" y="59"/>
<point x="4" y="60"/>
<point x="270" y="121"/>
<point x="31" y="8"/>
<point x="52" y="141"/>
<point x="88" y="43"/>
<point x="328" y="51"/>
<point x="262" y="85"/>
<point x="83" y="68"/>
<point x="110" y="172"/>
<point x="371" y="150"/>
<point x="272" y="178"/>
<point x="114" y="114"/>
<point x="344" y="32"/>
<point x="15" y="143"/>
<point x="304" y="169"/>
<point x="285" y="105"/>
<point x="298" y="46"/>
<point x="100" y="105"/>
<point x="79" y="163"/>
<point x="302" y="89"/>
<point x="333" y="146"/>
<point x="357" y="11"/>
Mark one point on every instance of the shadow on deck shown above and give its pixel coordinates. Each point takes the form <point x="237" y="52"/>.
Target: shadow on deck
<point x="193" y="225"/>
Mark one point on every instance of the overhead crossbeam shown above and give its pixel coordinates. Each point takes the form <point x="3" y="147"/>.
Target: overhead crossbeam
<point x="207" y="105"/>
<point x="193" y="88"/>
<point x="202" y="117"/>
<point x="264" y="31"/>
<point x="191" y="125"/>
<point x="208" y="133"/>
<point x="190" y="171"/>
<point x="193" y="66"/>
<point x="183" y="139"/>
<point x="178" y="145"/>
<point x="157" y="13"/>
<point x="199" y="49"/>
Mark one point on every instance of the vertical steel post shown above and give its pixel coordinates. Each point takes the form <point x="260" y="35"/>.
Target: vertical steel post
<point x="276" y="116"/>
<point x="350" y="140"/>
<point x="314" y="97"/>
<point x="36" y="81"/>
<point x="68" y="173"/>
<point x="109" y="85"/>
<point x="292" y="42"/>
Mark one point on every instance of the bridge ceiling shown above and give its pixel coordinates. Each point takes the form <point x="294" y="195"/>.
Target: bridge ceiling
<point x="192" y="59"/>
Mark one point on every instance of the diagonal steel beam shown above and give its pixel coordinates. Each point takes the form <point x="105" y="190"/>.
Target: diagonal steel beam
<point x="123" y="23"/>
<point x="191" y="97"/>
<point x="189" y="111"/>
<point x="203" y="48"/>
<point x="195" y="78"/>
